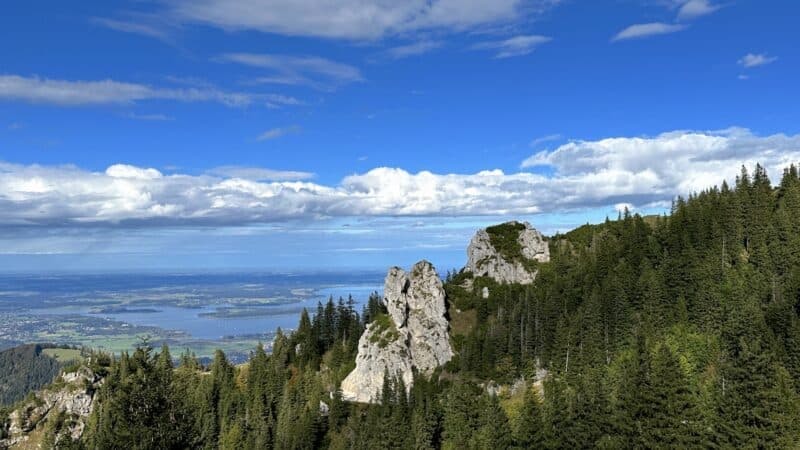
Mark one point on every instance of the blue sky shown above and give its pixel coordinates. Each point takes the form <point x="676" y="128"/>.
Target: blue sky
<point x="273" y="134"/>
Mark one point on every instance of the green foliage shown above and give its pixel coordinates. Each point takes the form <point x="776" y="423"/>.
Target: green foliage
<point x="505" y="239"/>
<point x="383" y="330"/>
<point x="27" y="368"/>
<point x="528" y="426"/>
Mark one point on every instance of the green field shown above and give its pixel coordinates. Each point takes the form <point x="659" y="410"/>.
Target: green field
<point x="63" y="354"/>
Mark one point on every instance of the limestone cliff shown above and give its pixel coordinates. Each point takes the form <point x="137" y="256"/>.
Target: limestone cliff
<point x="63" y="408"/>
<point x="507" y="253"/>
<point x="412" y="336"/>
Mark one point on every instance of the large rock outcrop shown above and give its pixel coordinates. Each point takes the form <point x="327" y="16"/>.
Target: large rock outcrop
<point x="412" y="336"/>
<point x="508" y="252"/>
<point x="71" y="399"/>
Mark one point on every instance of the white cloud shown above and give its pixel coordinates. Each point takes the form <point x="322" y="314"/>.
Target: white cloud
<point x="126" y="171"/>
<point x="643" y="170"/>
<point x="14" y="126"/>
<point x="642" y="30"/>
<point x="260" y="173"/>
<point x="586" y="174"/>
<point x="543" y="139"/>
<point x="278" y="100"/>
<point x="515" y="46"/>
<point x="275" y="133"/>
<point x="417" y="48"/>
<point x="755" y="60"/>
<point x="110" y="92"/>
<point x="353" y="19"/>
<point x="136" y="26"/>
<point x="696" y="8"/>
<point x="313" y="71"/>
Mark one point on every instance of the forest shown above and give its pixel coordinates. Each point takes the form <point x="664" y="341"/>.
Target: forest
<point x="26" y="368"/>
<point x="673" y="331"/>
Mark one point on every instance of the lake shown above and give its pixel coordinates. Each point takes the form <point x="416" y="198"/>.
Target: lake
<point x="200" y="306"/>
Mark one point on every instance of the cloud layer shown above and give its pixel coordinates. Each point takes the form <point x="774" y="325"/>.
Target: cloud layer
<point x="515" y="46"/>
<point x="351" y="19"/>
<point x="313" y="71"/>
<point x="417" y="48"/>
<point x="647" y="29"/>
<point x="627" y="170"/>
<point x="643" y="170"/>
<point x="696" y="8"/>
<point x="275" y="133"/>
<point x="111" y="92"/>
<point x="259" y="173"/>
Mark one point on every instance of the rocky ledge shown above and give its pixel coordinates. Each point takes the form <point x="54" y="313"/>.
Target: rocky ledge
<point x="70" y="399"/>
<point x="507" y="253"/>
<point x="411" y="337"/>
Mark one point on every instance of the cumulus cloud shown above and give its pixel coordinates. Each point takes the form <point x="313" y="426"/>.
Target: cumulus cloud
<point x="632" y="171"/>
<point x="754" y="60"/>
<point x="352" y="19"/>
<point x="696" y="8"/>
<point x="642" y="30"/>
<point x="515" y="46"/>
<point x="642" y="170"/>
<point x="313" y="71"/>
<point x="110" y="92"/>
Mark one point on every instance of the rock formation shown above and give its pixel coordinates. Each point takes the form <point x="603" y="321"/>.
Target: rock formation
<point x="70" y="399"/>
<point x="507" y="253"/>
<point x="413" y="336"/>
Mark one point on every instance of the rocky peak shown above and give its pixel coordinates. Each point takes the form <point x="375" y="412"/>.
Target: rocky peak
<point x="507" y="253"/>
<point x="412" y="336"/>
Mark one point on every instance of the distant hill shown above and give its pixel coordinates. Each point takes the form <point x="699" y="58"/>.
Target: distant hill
<point x="29" y="367"/>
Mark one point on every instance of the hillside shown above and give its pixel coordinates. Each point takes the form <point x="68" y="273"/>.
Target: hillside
<point x="29" y="367"/>
<point x="679" y="331"/>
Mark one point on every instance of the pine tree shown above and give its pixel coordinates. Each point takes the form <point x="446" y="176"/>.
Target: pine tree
<point x="461" y="416"/>
<point x="528" y="426"/>
<point x="635" y="402"/>
<point x="493" y="431"/>
<point x="676" y="421"/>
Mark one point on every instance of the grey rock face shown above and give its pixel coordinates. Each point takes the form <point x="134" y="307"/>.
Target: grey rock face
<point x="75" y="397"/>
<point x="415" y="339"/>
<point x="484" y="260"/>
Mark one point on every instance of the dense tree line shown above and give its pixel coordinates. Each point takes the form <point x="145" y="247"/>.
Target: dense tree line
<point x="678" y="331"/>
<point x="24" y="369"/>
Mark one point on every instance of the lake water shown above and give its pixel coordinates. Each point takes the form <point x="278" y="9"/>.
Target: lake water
<point x="186" y="302"/>
<point x="198" y="322"/>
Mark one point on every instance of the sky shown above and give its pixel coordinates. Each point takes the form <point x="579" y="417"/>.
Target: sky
<point x="309" y="134"/>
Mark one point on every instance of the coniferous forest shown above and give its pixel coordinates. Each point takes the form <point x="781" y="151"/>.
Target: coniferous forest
<point x="23" y="369"/>
<point x="676" y="331"/>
